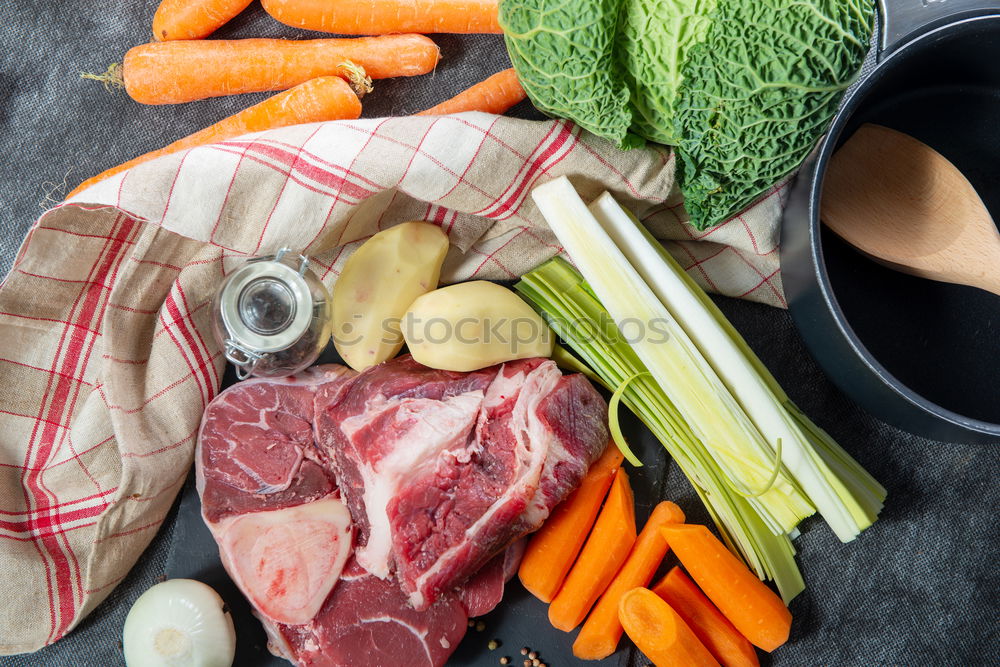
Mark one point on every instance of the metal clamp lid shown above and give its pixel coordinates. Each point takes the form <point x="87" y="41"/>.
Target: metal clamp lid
<point x="243" y="359"/>
<point x="266" y="307"/>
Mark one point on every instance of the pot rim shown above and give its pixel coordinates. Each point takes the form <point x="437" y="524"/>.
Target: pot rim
<point x="823" y="154"/>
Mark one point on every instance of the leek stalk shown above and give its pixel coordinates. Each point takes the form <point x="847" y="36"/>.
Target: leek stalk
<point x="757" y="462"/>
<point x="692" y="385"/>
<point x="578" y="318"/>
<point x="847" y="512"/>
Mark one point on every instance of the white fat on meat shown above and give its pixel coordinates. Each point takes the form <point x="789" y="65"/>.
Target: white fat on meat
<point x="287" y="561"/>
<point x="277" y="645"/>
<point x="427" y="428"/>
<point x="533" y="438"/>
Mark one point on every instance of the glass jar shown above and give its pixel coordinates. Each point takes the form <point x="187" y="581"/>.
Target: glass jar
<point x="272" y="316"/>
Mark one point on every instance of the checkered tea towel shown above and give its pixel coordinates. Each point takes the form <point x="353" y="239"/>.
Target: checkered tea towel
<point x="106" y="351"/>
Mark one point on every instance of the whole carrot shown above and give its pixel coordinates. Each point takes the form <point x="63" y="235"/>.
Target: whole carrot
<point x="187" y="70"/>
<point x="493" y="95"/>
<point x="606" y="549"/>
<point x="718" y="635"/>
<point x="660" y="633"/>
<point x="380" y="17"/>
<point x="599" y="635"/>
<point x="753" y="608"/>
<point x="325" y="98"/>
<point x="193" y="19"/>
<point x="552" y="550"/>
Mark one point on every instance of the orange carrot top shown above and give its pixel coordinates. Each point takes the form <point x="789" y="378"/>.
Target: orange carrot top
<point x="714" y="630"/>
<point x="325" y="98"/>
<point x="495" y="94"/>
<point x="552" y="550"/>
<point x="606" y="549"/>
<point x="600" y="634"/>
<point x="193" y="19"/>
<point x="380" y="17"/>
<point x="187" y="70"/>
<point x="660" y="633"/>
<point x="753" y="608"/>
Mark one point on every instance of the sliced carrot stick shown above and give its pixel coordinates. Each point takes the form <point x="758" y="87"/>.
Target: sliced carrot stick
<point x="193" y="19"/>
<point x="187" y="70"/>
<point x="379" y="17"/>
<point x="660" y="633"/>
<point x="599" y="635"/>
<point x="753" y="608"/>
<point x="606" y="549"/>
<point x="552" y="550"/>
<point x="325" y="98"/>
<point x="493" y="95"/>
<point x="714" y="630"/>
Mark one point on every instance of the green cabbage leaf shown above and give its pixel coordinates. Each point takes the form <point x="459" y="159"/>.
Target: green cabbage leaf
<point x="741" y="88"/>
<point x="759" y="90"/>
<point x="655" y="38"/>
<point x="564" y="55"/>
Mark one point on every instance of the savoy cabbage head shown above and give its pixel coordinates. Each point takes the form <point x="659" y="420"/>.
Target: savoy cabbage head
<point x="741" y="88"/>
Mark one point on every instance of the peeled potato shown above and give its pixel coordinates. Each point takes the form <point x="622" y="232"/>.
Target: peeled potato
<point x="472" y="325"/>
<point x="379" y="282"/>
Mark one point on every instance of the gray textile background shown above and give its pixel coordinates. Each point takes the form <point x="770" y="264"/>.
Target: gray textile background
<point x="917" y="589"/>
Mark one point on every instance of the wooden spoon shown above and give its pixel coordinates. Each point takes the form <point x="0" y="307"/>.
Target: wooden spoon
<point x="903" y="203"/>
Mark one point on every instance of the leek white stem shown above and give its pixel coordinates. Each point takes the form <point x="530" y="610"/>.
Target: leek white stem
<point x="563" y="298"/>
<point x="846" y="513"/>
<point x="678" y="367"/>
<point x="702" y="392"/>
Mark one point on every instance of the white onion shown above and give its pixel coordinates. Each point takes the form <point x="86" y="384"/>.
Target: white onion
<point x="179" y="623"/>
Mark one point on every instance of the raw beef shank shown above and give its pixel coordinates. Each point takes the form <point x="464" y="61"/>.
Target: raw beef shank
<point x="443" y="470"/>
<point x="366" y="516"/>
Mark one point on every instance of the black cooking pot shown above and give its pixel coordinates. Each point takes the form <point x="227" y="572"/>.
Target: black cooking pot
<point x="921" y="355"/>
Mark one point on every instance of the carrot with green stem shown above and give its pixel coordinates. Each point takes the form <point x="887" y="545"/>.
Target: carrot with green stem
<point x="601" y="632"/>
<point x="753" y="608"/>
<point x="551" y="552"/>
<point x="495" y="94"/>
<point x="188" y="70"/>
<point x="660" y="633"/>
<point x="193" y="19"/>
<point x="379" y="17"/>
<point x="321" y="99"/>
<point x="714" y="630"/>
<point x="606" y="549"/>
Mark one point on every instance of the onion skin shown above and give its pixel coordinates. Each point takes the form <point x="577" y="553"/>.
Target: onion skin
<point x="179" y="622"/>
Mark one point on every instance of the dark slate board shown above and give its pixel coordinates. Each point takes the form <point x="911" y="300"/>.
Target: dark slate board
<point x="918" y="588"/>
<point x="520" y="619"/>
